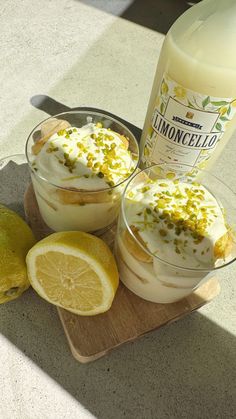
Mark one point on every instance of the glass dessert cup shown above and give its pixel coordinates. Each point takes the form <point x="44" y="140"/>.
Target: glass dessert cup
<point x="87" y="209"/>
<point x="167" y="270"/>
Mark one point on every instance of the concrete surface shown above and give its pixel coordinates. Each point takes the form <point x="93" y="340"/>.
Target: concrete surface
<point x="80" y="55"/>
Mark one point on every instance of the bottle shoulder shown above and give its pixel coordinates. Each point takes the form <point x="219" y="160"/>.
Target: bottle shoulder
<point x="207" y="33"/>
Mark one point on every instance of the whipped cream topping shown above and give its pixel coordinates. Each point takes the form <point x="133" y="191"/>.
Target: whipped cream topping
<point x="178" y="222"/>
<point x="90" y="158"/>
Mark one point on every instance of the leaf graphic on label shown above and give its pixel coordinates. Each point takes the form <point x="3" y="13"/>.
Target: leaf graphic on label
<point x="229" y="110"/>
<point x="221" y="103"/>
<point x="164" y="87"/>
<point x="218" y="126"/>
<point x="190" y="104"/>
<point x="162" y="108"/>
<point x="223" y="118"/>
<point x="206" y="101"/>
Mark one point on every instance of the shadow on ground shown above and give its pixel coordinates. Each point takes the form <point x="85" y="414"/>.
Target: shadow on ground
<point x="193" y="359"/>
<point x="158" y="15"/>
<point x="52" y="107"/>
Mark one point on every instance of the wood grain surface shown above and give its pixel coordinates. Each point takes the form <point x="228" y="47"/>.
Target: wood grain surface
<point x="129" y="317"/>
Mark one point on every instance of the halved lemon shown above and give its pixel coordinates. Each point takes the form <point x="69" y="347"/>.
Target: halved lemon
<point x="74" y="270"/>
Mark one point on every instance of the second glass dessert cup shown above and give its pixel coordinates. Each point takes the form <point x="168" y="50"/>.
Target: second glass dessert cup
<point x="179" y="259"/>
<point x="67" y="207"/>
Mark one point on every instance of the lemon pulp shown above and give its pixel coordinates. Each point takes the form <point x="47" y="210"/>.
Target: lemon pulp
<point x="74" y="270"/>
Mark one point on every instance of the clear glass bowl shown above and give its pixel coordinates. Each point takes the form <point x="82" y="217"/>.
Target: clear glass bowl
<point x="73" y="209"/>
<point x="159" y="278"/>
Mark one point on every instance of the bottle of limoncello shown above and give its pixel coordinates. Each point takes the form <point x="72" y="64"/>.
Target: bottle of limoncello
<point x="192" y="109"/>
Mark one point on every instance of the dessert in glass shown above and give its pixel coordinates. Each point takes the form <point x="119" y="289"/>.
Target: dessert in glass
<point x="173" y="232"/>
<point x="80" y="162"/>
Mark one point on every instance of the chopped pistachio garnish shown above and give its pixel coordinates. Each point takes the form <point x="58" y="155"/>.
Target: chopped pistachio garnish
<point x="100" y="174"/>
<point x="170" y="175"/>
<point x="111" y="183"/>
<point x="61" y="132"/>
<point x="145" y="189"/>
<point x="163" y="233"/>
<point x="182" y="215"/>
<point x="161" y="203"/>
<point x="105" y="156"/>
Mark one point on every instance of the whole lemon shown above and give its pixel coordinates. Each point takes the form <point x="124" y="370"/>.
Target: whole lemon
<point x="16" y="238"/>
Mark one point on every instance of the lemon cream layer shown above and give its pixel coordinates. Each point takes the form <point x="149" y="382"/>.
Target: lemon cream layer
<point x="180" y="224"/>
<point x="81" y="166"/>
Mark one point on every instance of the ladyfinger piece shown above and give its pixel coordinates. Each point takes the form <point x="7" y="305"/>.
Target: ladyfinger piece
<point x="223" y="246"/>
<point x="82" y="198"/>
<point x="124" y="140"/>
<point x="133" y="248"/>
<point x="49" y="125"/>
<point x="49" y="129"/>
<point x="142" y="177"/>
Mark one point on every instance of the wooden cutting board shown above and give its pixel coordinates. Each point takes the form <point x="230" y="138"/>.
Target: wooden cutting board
<point x="129" y="317"/>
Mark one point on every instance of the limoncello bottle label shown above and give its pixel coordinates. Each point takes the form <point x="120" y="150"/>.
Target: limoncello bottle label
<point x="186" y="126"/>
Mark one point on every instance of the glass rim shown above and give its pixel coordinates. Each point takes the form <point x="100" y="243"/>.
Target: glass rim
<point x="37" y="175"/>
<point x="12" y="156"/>
<point x="147" y="250"/>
